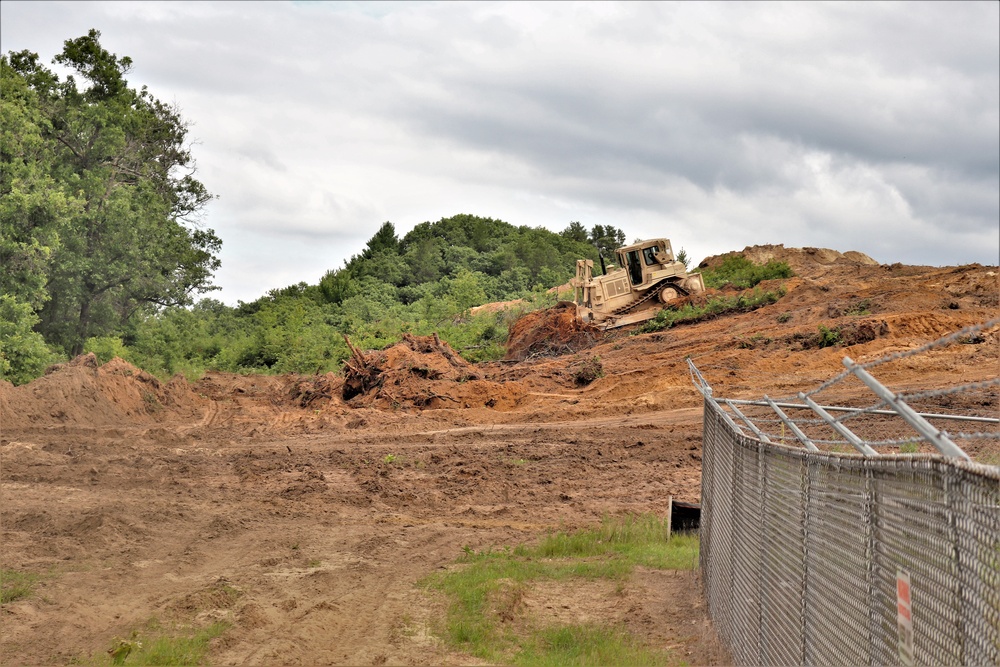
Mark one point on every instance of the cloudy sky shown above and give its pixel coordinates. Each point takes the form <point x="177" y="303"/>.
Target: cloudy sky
<point x="871" y="127"/>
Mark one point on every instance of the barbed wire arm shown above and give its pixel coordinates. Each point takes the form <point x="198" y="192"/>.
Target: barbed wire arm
<point x="921" y="425"/>
<point x="753" y="427"/>
<point x="792" y="426"/>
<point x="849" y="435"/>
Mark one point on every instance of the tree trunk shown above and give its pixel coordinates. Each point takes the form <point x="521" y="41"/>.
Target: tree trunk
<point x="82" y="327"/>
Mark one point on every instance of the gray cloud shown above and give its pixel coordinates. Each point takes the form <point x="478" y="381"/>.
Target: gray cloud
<point x="859" y="126"/>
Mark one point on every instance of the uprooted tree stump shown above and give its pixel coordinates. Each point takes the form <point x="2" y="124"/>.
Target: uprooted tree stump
<point x="550" y="332"/>
<point x="405" y="367"/>
<point x="362" y="372"/>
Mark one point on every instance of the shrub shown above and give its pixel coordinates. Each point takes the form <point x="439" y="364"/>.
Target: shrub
<point x="23" y="352"/>
<point x="740" y="272"/>
<point x="105" y="348"/>
<point x="829" y="337"/>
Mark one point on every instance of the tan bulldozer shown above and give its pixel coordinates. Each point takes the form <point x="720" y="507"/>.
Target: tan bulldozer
<point x="650" y="279"/>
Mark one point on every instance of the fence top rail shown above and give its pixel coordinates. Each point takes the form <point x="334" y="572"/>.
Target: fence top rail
<point x="840" y="408"/>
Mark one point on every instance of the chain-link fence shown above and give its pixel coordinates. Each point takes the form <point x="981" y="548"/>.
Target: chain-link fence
<point x="827" y="549"/>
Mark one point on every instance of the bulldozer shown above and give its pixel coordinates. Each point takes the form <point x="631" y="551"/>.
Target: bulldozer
<point x="648" y="280"/>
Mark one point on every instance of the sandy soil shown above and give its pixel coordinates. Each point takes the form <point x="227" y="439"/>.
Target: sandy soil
<point x="274" y="503"/>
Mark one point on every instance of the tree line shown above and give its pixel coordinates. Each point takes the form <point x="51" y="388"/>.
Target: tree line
<point x="101" y="248"/>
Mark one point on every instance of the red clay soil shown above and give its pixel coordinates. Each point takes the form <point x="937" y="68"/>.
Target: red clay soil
<point x="305" y="520"/>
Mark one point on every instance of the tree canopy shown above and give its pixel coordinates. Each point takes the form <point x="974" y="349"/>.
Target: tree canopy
<point x="100" y="203"/>
<point x="101" y="249"/>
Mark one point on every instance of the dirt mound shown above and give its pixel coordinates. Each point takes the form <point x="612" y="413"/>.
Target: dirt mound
<point x="421" y="372"/>
<point x="806" y="262"/>
<point x="496" y="306"/>
<point x="82" y="392"/>
<point x="550" y="332"/>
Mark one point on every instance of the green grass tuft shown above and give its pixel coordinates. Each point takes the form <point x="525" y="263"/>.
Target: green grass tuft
<point x="15" y="585"/>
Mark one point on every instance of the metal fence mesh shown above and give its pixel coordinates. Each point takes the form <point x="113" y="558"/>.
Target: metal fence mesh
<point x="803" y="551"/>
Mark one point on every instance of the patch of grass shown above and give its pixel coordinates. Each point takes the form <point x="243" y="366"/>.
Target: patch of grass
<point x="187" y="648"/>
<point x="586" y="645"/>
<point x="389" y="459"/>
<point x="15" y="585"/>
<point x="783" y="317"/>
<point x="740" y="272"/>
<point x="486" y="589"/>
<point x="714" y="307"/>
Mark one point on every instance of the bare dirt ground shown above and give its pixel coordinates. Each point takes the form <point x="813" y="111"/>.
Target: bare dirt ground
<point x="306" y="519"/>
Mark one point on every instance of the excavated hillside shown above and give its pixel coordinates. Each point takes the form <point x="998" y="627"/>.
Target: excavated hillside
<point x="321" y="500"/>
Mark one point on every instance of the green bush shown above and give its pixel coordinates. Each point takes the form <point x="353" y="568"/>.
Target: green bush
<point x="829" y="337"/>
<point x="105" y="348"/>
<point x="23" y="352"/>
<point x="741" y="273"/>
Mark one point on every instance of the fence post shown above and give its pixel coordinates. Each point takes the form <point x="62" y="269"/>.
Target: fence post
<point x="868" y="519"/>
<point x="804" y="605"/>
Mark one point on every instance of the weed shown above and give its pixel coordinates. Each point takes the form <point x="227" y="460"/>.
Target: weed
<point x="313" y="563"/>
<point x="754" y="341"/>
<point x="909" y="448"/>
<point x="152" y="403"/>
<point x="389" y="459"/>
<point x="829" y="337"/>
<point x="122" y="648"/>
<point x="15" y="585"/>
<point x="783" y="317"/>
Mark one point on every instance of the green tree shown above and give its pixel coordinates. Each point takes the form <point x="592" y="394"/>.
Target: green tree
<point x="465" y="290"/>
<point x="607" y="239"/>
<point x="132" y="241"/>
<point x="32" y="204"/>
<point x="576" y="232"/>
<point x="335" y="286"/>
<point x="385" y="239"/>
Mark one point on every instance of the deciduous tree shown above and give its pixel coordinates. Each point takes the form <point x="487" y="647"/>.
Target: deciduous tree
<point x="112" y="182"/>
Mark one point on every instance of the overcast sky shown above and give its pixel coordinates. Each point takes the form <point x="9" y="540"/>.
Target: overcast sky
<point x="870" y="127"/>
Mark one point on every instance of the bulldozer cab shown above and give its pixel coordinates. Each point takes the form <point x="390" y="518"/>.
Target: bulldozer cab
<point x="642" y="259"/>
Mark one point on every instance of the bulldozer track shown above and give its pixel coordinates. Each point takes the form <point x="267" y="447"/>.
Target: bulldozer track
<point x="651" y="294"/>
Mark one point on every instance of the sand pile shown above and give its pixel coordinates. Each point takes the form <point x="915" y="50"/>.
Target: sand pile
<point x="805" y="262"/>
<point x="82" y="392"/>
